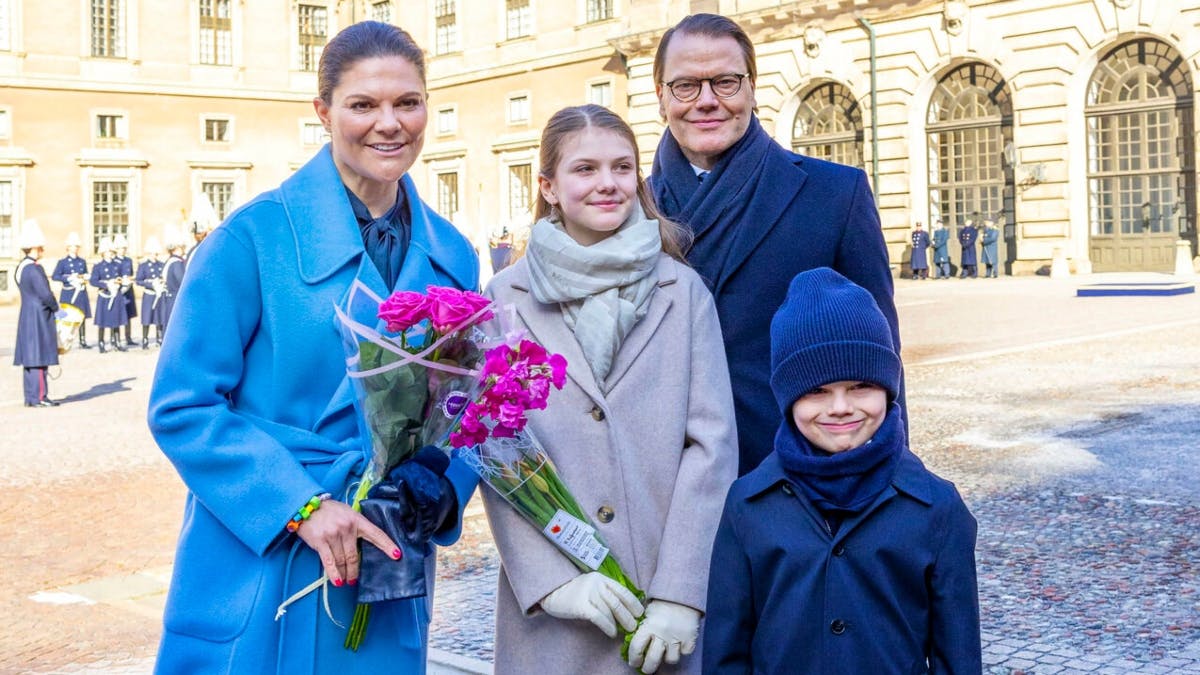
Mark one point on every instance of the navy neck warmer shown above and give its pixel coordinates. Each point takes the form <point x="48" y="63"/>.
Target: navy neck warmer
<point x="845" y="482"/>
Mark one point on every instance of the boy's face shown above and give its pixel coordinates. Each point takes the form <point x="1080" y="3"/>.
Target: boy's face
<point x="840" y="416"/>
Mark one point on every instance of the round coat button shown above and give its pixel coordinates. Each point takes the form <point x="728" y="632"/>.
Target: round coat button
<point x="837" y="627"/>
<point x="597" y="414"/>
<point x="605" y="514"/>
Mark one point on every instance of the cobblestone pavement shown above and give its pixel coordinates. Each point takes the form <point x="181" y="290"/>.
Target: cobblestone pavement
<point x="1071" y="425"/>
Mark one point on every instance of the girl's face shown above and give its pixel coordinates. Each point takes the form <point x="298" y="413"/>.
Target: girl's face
<point x="594" y="185"/>
<point x="376" y="122"/>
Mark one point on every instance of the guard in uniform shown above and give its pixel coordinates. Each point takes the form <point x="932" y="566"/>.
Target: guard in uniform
<point x="941" y="249"/>
<point x="110" y="302"/>
<point x="72" y="272"/>
<point x="131" y="308"/>
<point x="966" y="238"/>
<point x="920" y="260"/>
<point x="150" y="278"/>
<point x="173" y="279"/>
<point x="988" y="241"/>
<point x="37" y="339"/>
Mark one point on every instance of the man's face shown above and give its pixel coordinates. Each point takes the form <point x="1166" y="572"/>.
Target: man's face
<point x="708" y="125"/>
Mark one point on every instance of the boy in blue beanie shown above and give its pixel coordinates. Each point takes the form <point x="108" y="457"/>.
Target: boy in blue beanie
<point x="841" y="552"/>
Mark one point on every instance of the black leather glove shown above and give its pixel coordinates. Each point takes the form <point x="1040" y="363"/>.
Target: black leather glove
<point x="412" y="504"/>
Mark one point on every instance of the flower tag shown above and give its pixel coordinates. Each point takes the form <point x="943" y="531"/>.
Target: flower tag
<point x="576" y="538"/>
<point x="454" y="403"/>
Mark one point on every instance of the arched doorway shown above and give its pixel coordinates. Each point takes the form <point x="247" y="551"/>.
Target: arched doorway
<point x="968" y="126"/>
<point x="1141" y="171"/>
<point x="828" y="125"/>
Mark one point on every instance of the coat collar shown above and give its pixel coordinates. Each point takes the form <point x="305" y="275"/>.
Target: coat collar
<point x="327" y="235"/>
<point x="545" y="321"/>
<point x="911" y="478"/>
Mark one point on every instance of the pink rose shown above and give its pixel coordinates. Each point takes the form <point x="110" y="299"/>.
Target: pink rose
<point x="450" y="308"/>
<point x="403" y="310"/>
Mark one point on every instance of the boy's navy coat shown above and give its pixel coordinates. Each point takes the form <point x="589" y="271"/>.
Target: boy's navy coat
<point x="892" y="592"/>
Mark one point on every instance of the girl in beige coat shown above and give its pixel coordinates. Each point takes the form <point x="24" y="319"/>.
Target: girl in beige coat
<point x="643" y="432"/>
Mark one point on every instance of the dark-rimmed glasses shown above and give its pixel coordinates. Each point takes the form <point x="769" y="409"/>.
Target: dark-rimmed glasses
<point x="687" y="89"/>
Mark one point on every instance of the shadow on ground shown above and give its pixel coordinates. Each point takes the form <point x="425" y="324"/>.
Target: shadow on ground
<point x="102" y="389"/>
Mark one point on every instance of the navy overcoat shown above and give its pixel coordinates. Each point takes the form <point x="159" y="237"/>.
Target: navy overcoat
<point x="150" y="278"/>
<point x="796" y="213"/>
<point x="74" y="288"/>
<point x="967" y="237"/>
<point x="941" y="246"/>
<point x="894" y="591"/>
<point x="37" y="340"/>
<point x="920" y="244"/>
<point x="110" y="302"/>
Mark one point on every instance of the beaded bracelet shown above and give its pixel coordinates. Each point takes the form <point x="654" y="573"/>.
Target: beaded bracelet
<point x="306" y="511"/>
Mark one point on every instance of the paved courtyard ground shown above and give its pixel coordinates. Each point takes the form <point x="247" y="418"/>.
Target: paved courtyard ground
<point x="1071" y="425"/>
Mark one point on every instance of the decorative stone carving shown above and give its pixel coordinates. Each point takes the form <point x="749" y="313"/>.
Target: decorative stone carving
<point x="814" y="37"/>
<point x="954" y="14"/>
<point x="1123" y="4"/>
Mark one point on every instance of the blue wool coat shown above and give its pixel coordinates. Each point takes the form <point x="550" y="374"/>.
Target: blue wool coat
<point x="252" y="405"/>
<point x="894" y="591"/>
<point x="802" y="213"/>
<point x="148" y="272"/>
<point x="37" y="339"/>
<point x="989" y="245"/>
<point x="77" y="296"/>
<point x="941" y="246"/>
<point x="111" y="310"/>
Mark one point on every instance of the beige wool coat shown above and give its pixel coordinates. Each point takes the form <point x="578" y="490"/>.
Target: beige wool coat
<point x="657" y="454"/>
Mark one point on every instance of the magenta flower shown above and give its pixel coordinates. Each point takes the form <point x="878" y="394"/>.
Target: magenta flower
<point x="403" y="310"/>
<point x="450" y="308"/>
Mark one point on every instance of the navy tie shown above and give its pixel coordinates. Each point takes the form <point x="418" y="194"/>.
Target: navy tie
<point x="702" y="175"/>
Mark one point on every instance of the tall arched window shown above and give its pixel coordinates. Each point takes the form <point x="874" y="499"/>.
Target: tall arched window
<point x="969" y="124"/>
<point x="1141" y="172"/>
<point x="828" y="125"/>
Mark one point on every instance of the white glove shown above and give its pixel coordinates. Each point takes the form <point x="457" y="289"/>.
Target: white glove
<point x="596" y="598"/>
<point x="668" y="630"/>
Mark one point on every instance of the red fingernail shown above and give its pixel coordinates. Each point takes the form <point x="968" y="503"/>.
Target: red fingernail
<point x="337" y="582"/>
<point x="352" y="582"/>
<point x="397" y="554"/>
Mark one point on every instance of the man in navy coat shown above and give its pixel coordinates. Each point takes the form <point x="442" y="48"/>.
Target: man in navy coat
<point x="37" y="339"/>
<point x="966" y="238"/>
<point x="759" y="213"/>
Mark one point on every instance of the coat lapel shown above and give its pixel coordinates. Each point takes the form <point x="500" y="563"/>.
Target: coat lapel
<point x="640" y="336"/>
<point x="780" y="183"/>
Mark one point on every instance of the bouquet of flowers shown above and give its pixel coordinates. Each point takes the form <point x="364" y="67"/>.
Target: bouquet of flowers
<point x="411" y="383"/>
<point x="512" y="462"/>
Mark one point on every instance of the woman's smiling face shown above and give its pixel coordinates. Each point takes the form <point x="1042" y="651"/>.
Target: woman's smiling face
<point x="376" y="120"/>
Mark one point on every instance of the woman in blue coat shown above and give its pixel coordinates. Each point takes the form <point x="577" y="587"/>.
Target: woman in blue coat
<point x="251" y="402"/>
<point x="71" y="271"/>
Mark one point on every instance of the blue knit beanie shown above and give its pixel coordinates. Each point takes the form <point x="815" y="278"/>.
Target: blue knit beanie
<point x="828" y="330"/>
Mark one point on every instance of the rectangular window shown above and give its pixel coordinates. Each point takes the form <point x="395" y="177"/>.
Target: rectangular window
<point x="381" y="11"/>
<point x="445" y="27"/>
<point x="312" y="34"/>
<point x="7" y="250"/>
<point x="111" y="127"/>
<point x="216" y="33"/>
<point x="519" y="16"/>
<point x="518" y="109"/>
<point x="216" y="130"/>
<point x="220" y="195"/>
<point x="599" y="10"/>
<point x="313" y="133"/>
<point x="600" y="93"/>
<point x="447" y="121"/>
<point x="447" y="194"/>
<point x="520" y="189"/>
<point x="107" y="38"/>
<point x="110" y="210"/>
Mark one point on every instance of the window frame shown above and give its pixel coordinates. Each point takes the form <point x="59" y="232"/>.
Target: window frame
<point x="218" y="26"/>
<point x="107" y="40"/>
<point x="511" y="99"/>
<point x="207" y="118"/>
<point x="120" y="128"/>
<point x="446" y="36"/>
<point x="310" y="45"/>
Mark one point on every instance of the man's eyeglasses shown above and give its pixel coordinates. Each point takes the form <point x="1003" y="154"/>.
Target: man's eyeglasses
<point x="687" y="89"/>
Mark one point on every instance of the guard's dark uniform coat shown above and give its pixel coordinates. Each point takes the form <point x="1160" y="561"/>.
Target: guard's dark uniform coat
<point x="110" y="305"/>
<point x="73" y="295"/>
